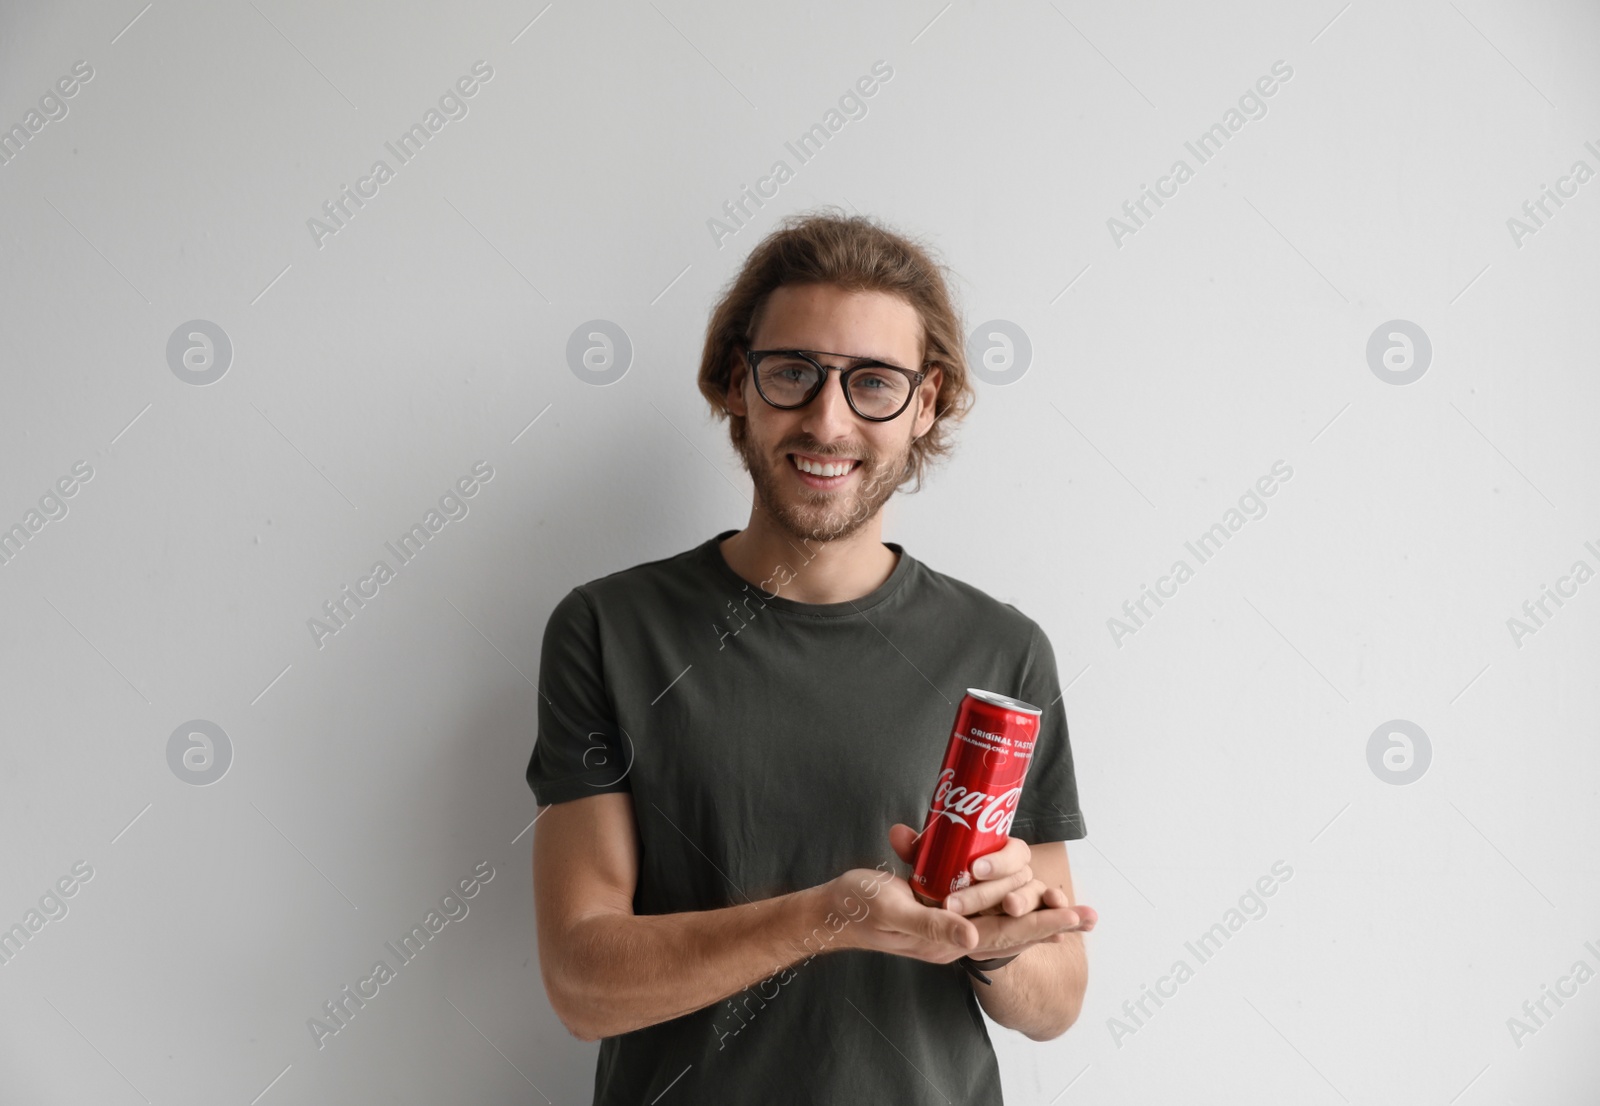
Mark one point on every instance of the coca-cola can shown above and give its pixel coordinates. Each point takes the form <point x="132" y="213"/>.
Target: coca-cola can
<point x="975" y="797"/>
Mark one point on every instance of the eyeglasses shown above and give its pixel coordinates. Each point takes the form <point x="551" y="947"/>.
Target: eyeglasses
<point x="791" y="378"/>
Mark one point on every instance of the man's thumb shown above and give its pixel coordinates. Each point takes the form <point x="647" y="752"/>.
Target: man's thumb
<point x="959" y="932"/>
<point x="906" y="849"/>
<point x="953" y="931"/>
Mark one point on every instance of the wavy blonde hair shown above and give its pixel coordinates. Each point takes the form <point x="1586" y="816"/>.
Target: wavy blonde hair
<point x="857" y="254"/>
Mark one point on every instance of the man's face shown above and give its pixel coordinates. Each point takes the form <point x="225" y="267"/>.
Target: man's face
<point x="823" y="317"/>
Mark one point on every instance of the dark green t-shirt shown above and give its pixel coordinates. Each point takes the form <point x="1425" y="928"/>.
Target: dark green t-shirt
<point x="768" y="746"/>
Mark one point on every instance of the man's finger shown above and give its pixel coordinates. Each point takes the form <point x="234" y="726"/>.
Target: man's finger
<point x="1029" y="897"/>
<point x="1002" y="930"/>
<point x="1008" y="858"/>
<point x="987" y="894"/>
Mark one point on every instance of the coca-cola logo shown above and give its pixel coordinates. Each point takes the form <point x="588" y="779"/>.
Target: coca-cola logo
<point x="990" y="813"/>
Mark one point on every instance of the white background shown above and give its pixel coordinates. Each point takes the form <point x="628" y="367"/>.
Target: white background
<point x="369" y="775"/>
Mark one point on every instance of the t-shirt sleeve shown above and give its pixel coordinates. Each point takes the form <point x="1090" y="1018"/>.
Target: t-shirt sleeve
<point x="580" y="749"/>
<point x="1048" y="809"/>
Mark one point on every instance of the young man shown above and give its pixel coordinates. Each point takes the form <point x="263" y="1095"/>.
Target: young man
<point x="740" y="741"/>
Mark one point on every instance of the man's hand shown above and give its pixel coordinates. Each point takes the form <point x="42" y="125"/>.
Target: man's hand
<point x="884" y="915"/>
<point x="1010" y="910"/>
<point x="1004" y="888"/>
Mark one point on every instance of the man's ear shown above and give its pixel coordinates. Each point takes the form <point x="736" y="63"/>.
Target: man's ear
<point x="735" y="394"/>
<point x="927" y="401"/>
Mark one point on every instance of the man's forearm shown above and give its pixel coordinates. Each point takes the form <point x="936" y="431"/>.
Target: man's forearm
<point x="621" y="972"/>
<point x="1040" y="993"/>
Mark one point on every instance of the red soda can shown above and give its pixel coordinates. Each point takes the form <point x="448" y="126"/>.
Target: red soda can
<point x="976" y="795"/>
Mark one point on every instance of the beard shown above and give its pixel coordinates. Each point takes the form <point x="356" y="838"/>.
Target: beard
<point x="807" y="514"/>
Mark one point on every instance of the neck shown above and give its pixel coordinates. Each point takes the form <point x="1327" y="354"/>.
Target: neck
<point x="817" y="571"/>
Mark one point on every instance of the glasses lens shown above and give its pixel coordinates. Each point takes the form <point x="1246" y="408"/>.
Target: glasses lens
<point x="878" y="393"/>
<point x="785" y="378"/>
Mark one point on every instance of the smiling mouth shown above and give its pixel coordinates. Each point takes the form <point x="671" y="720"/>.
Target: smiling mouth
<point x="824" y="467"/>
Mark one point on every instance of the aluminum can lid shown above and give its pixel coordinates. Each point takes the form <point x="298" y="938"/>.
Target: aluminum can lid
<point x="1004" y="701"/>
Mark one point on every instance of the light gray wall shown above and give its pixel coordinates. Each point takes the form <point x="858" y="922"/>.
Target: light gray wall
<point x="1173" y="363"/>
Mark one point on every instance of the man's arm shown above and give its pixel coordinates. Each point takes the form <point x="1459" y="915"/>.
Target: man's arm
<point x="1040" y="993"/>
<point x="608" y="971"/>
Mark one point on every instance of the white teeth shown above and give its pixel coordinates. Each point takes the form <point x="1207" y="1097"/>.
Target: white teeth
<point x="823" y="470"/>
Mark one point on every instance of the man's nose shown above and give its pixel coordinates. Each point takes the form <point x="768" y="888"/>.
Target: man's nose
<point x="829" y="416"/>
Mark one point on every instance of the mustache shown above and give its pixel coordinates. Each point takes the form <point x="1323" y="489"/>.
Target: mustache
<point x="811" y="451"/>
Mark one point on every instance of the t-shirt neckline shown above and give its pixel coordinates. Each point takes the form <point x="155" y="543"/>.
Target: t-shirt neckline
<point x="711" y="554"/>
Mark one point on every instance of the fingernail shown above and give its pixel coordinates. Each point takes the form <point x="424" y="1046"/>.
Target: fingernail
<point x="981" y="867"/>
<point x="954" y="903"/>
